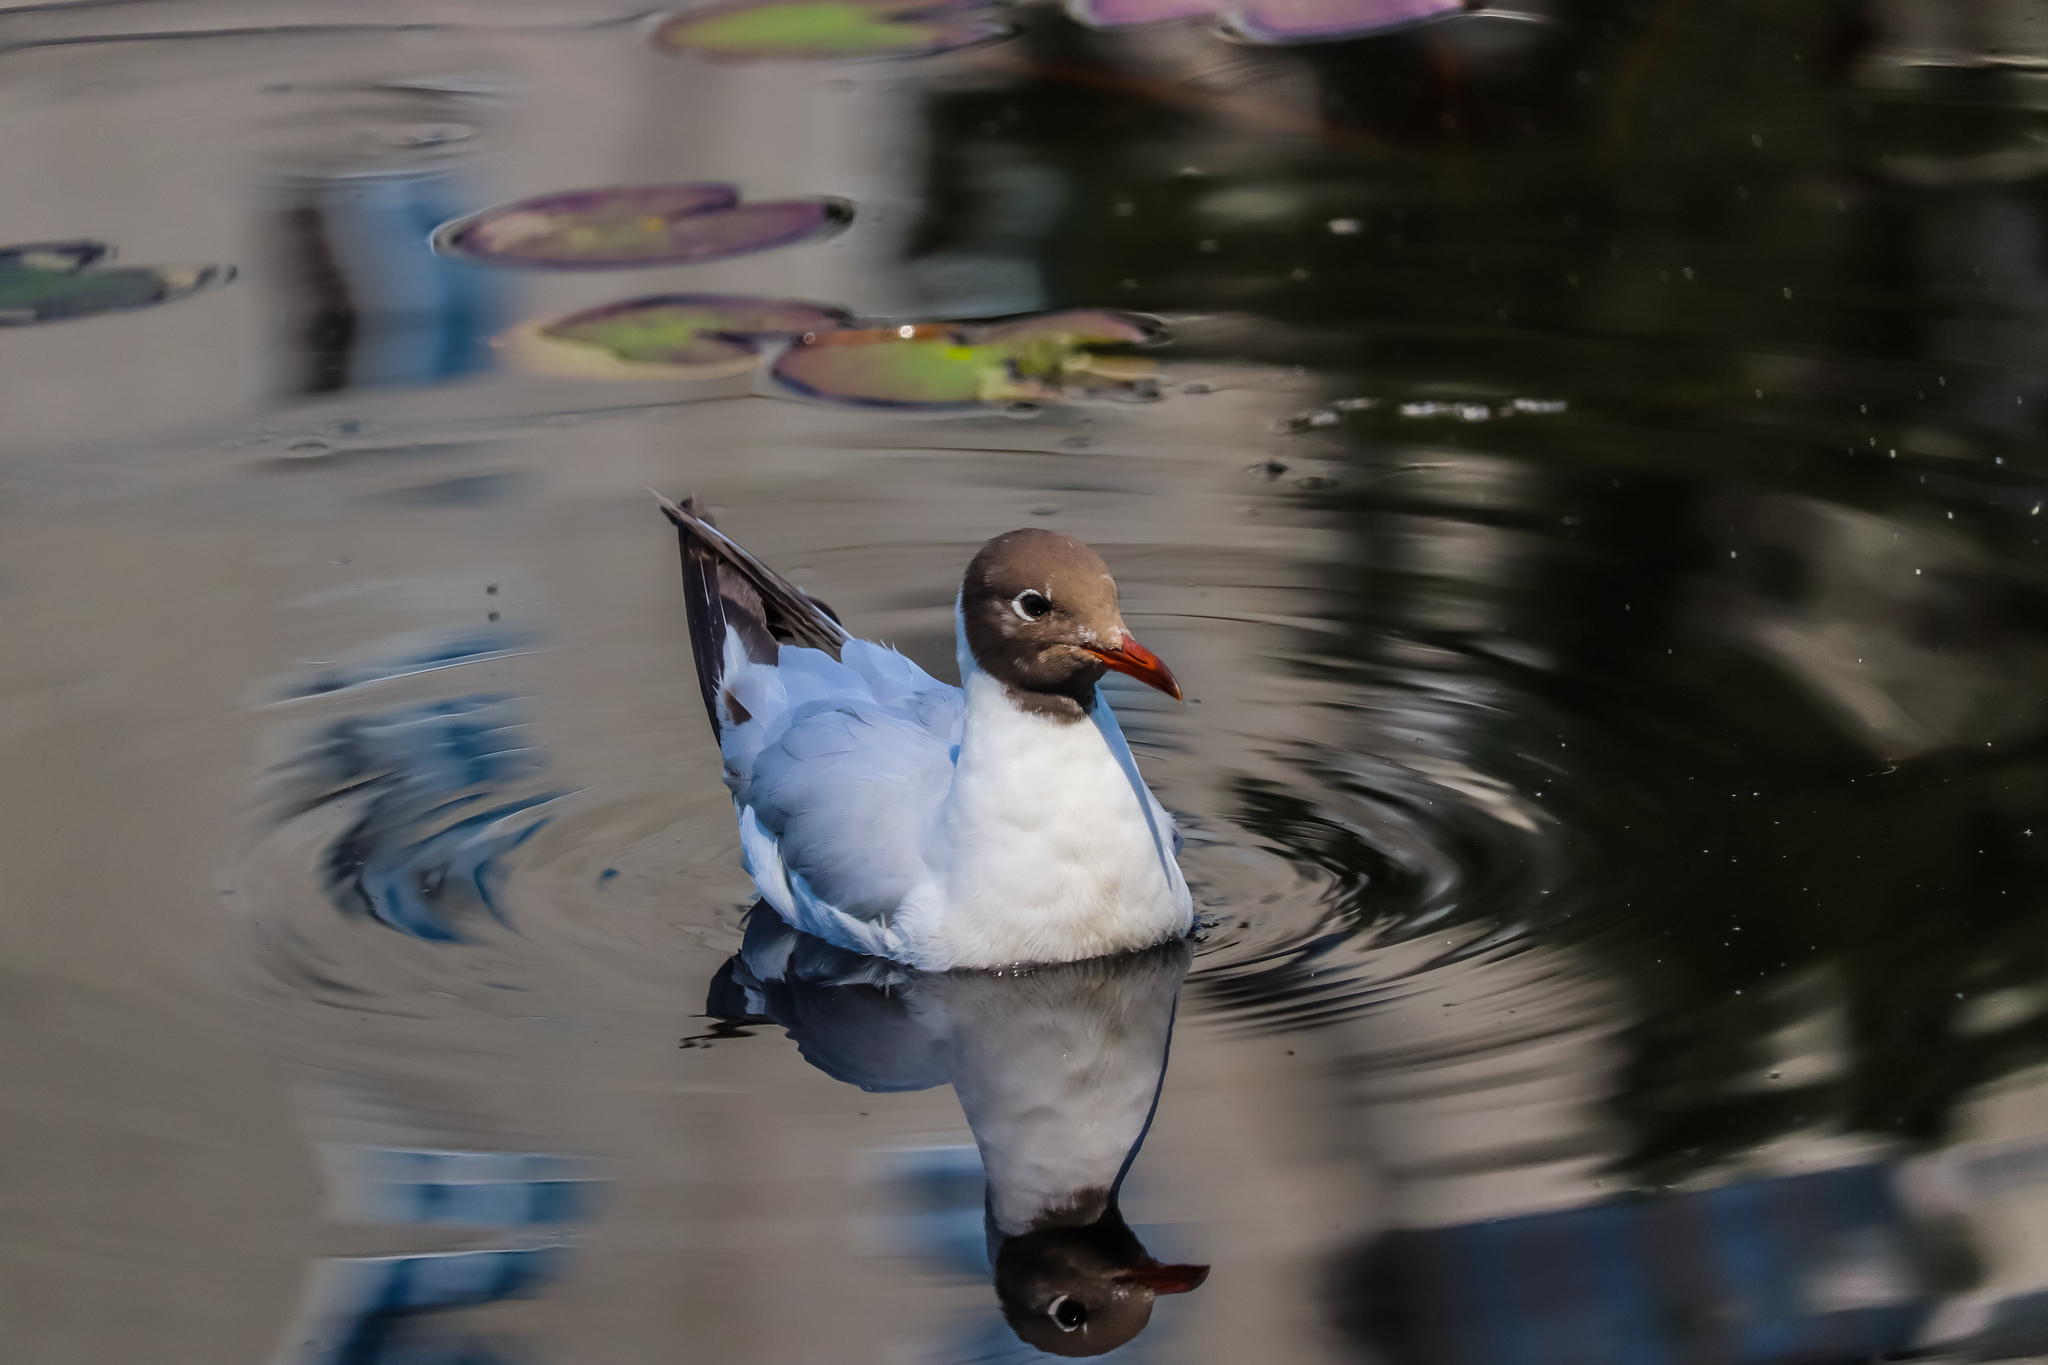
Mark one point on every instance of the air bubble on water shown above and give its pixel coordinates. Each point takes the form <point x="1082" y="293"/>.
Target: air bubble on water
<point x="308" y="448"/>
<point x="1464" y="412"/>
<point x="1304" y="421"/>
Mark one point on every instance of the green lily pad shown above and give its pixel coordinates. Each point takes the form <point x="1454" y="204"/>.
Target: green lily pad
<point x="953" y="365"/>
<point x="669" y="335"/>
<point x="829" y="28"/>
<point x="58" y="281"/>
<point x="1081" y="327"/>
<point x="635" y="225"/>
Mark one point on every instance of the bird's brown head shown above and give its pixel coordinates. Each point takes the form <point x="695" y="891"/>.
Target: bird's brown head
<point x="1041" y="617"/>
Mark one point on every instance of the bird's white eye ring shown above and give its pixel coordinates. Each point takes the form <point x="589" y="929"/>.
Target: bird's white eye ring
<point x="1066" y="1314"/>
<point x="1030" y="604"/>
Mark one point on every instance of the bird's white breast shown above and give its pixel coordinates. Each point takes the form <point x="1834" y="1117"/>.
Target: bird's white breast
<point x="1052" y="848"/>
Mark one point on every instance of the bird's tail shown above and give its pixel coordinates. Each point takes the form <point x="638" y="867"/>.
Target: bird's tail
<point x="726" y="589"/>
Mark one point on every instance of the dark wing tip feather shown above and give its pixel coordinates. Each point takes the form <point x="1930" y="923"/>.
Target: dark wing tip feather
<point x="726" y="586"/>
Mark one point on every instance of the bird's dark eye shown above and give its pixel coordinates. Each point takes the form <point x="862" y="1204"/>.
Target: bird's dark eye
<point x="1031" y="605"/>
<point x="1067" y="1314"/>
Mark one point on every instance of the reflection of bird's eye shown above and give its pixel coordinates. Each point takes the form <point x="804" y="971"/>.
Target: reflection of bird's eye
<point x="1066" y="1313"/>
<point x="1031" y="605"/>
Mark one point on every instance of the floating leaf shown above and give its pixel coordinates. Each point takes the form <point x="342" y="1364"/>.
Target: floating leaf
<point x="1269" y="21"/>
<point x="635" y="225"/>
<point x="1081" y="327"/>
<point x="829" y="28"/>
<point x="880" y="367"/>
<point x="625" y="224"/>
<point x="699" y="336"/>
<point x="1312" y="21"/>
<point x="937" y="365"/>
<point x="55" y="281"/>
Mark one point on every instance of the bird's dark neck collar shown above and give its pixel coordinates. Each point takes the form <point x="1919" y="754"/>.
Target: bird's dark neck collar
<point x="1064" y="707"/>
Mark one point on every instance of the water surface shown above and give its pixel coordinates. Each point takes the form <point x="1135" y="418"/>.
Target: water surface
<point x="1590" y="489"/>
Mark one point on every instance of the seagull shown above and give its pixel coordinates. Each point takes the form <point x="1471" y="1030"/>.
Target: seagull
<point x="999" y="823"/>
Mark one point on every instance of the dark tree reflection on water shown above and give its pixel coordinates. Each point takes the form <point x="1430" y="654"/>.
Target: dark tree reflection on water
<point x="1767" y="603"/>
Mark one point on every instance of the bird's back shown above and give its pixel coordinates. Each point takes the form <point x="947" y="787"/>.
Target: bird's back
<point x="838" y="752"/>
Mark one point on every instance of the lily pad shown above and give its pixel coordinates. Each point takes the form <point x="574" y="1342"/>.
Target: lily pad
<point x="1315" y="21"/>
<point x="829" y="28"/>
<point x="635" y="225"/>
<point x="57" y="281"/>
<point x="695" y="336"/>
<point x="1081" y="327"/>
<point x="956" y="365"/>
<point x="1270" y="21"/>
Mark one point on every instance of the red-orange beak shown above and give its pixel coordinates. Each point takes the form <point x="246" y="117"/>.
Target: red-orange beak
<point x="1140" y="663"/>
<point x="1166" y="1279"/>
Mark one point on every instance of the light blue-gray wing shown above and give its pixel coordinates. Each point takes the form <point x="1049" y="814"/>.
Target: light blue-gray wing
<point x="837" y="814"/>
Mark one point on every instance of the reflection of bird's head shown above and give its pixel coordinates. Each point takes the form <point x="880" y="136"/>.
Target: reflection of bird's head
<point x="1080" y="1291"/>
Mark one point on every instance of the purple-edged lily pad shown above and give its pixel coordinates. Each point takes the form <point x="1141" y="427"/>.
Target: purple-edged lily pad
<point x="1080" y="327"/>
<point x="636" y="225"/>
<point x="1270" y="21"/>
<point x="829" y="28"/>
<point x="57" y="281"/>
<point x="694" y="336"/>
<point x="626" y="224"/>
<point x="960" y="365"/>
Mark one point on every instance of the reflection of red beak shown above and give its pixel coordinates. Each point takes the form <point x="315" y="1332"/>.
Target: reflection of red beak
<point x="1166" y="1279"/>
<point x="1140" y="663"/>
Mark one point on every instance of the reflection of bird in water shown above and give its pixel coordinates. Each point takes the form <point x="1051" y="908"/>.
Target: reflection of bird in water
<point x="999" y="822"/>
<point x="1058" y="1071"/>
<point x="1081" y="1291"/>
